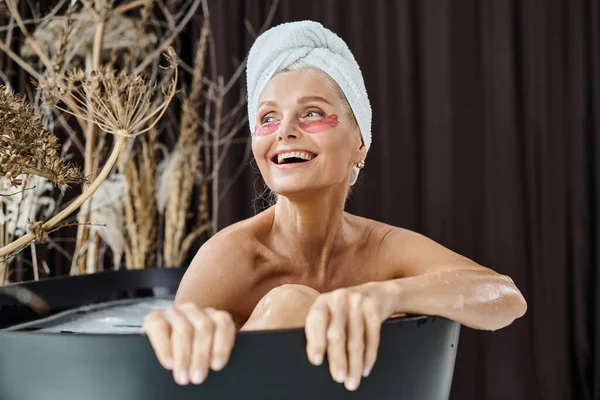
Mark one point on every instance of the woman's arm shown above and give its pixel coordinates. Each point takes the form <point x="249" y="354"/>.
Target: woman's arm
<point x="218" y="275"/>
<point x="478" y="299"/>
<point x="198" y="333"/>
<point x="434" y="280"/>
<point x="428" y="279"/>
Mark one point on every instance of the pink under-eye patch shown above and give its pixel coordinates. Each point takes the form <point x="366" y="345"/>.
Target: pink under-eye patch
<point x="313" y="126"/>
<point x="320" y="125"/>
<point x="262" y="130"/>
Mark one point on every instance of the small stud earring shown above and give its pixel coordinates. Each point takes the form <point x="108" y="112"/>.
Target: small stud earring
<point x="360" y="165"/>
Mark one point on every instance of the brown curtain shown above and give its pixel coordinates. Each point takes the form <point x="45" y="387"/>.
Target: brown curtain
<point x="486" y="138"/>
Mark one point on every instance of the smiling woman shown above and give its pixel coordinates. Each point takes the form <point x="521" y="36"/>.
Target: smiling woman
<point x="298" y="114"/>
<point x="305" y="262"/>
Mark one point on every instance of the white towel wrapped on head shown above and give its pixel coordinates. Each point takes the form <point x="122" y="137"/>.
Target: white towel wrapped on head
<point x="284" y="44"/>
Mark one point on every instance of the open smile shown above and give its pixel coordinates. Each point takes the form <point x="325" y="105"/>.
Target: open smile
<point x="292" y="159"/>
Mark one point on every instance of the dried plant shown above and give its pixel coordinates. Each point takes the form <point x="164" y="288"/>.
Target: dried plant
<point x="119" y="103"/>
<point x="140" y="206"/>
<point x="26" y="147"/>
<point x="119" y="108"/>
<point x="200" y="155"/>
<point x="62" y="41"/>
<point x="87" y="63"/>
<point x="18" y="206"/>
<point x="101" y="34"/>
<point x="121" y="32"/>
<point x="145" y="14"/>
<point x="107" y="217"/>
<point x="185" y="163"/>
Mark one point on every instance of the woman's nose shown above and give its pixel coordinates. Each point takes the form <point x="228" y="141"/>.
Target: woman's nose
<point x="287" y="130"/>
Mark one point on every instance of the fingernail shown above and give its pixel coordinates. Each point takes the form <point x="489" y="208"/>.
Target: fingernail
<point x="183" y="378"/>
<point x="198" y="376"/>
<point x="351" y="384"/>
<point x="318" y="359"/>
<point x="217" y="364"/>
<point x="169" y="363"/>
<point x="366" y="371"/>
<point x="341" y="376"/>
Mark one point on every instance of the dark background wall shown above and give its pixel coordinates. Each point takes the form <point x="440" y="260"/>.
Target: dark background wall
<point x="486" y="138"/>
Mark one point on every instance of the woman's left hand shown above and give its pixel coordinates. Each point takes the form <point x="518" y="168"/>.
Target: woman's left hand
<point x="346" y="324"/>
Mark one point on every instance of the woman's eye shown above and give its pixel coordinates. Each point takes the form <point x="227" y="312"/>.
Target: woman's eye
<point x="314" y="113"/>
<point x="267" y="119"/>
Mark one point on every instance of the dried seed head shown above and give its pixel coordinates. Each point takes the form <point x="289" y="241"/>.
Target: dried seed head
<point x="25" y="147"/>
<point x="119" y="103"/>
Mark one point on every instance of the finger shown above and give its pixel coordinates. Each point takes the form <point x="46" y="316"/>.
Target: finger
<point x="356" y="342"/>
<point x="336" y="340"/>
<point x="224" y="338"/>
<point x="372" y="334"/>
<point x="158" y="330"/>
<point x="182" y="335"/>
<point x="202" y="342"/>
<point x="315" y="328"/>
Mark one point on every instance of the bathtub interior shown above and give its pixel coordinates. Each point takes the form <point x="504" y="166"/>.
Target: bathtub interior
<point x="116" y="317"/>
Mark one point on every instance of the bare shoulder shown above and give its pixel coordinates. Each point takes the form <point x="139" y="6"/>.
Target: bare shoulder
<point x="371" y="232"/>
<point x="408" y="253"/>
<point x="219" y="275"/>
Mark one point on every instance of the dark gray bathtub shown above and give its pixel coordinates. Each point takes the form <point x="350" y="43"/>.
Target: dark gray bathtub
<point x="58" y="358"/>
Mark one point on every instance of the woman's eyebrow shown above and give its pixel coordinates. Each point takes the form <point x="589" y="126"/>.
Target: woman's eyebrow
<point x="301" y="100"/>
<point x="308" y="99"/>
<point x="270" y="103"/>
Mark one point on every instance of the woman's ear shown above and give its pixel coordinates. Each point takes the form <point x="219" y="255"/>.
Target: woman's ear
<point x="362" y="150"/>
<point x="363" y="153"/>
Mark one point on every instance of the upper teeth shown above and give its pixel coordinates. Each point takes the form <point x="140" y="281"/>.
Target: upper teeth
<point x="294" y="154"/>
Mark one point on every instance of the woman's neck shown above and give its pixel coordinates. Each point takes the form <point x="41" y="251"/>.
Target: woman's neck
<point x="310" y="228"/>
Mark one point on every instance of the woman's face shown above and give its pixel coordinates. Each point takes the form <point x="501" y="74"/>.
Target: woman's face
<point x="304" y="138"/>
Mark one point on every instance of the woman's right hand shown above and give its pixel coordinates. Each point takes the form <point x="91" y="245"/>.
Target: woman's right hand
<point x="189" y="340"/>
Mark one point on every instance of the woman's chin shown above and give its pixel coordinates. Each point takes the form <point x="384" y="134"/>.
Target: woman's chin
<point x="302" y="191"/>
<point x="294" y="187"/>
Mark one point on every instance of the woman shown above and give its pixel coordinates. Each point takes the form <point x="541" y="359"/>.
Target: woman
<point x="305" y="262"/>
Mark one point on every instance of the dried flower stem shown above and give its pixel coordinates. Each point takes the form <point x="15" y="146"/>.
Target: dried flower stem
<point x="167" y="42"/>
<point x="39" y="172"/>
<point x="90" y="150"/>
<point x="91" y="132"/>
<point x="53" y="245"/>
<point x="127" y="6"/>
<point x="165" y="11"/>
<point x="22" y="63"/>
<point x="3" y="241"/>
<point x="14" y="194"/>
<point x="87" y="5"/>
<point x="29" y="237"/>
<point x="188" y="164"/>
<point x="36" y="272"/>
<point x="131" y="175"/>
<point x="215" y="158"/>
<point x="14" y="11"/>
<point x="72" y="134"/>
<point x="140" y="206"/>
<point x="119" y="104"/>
